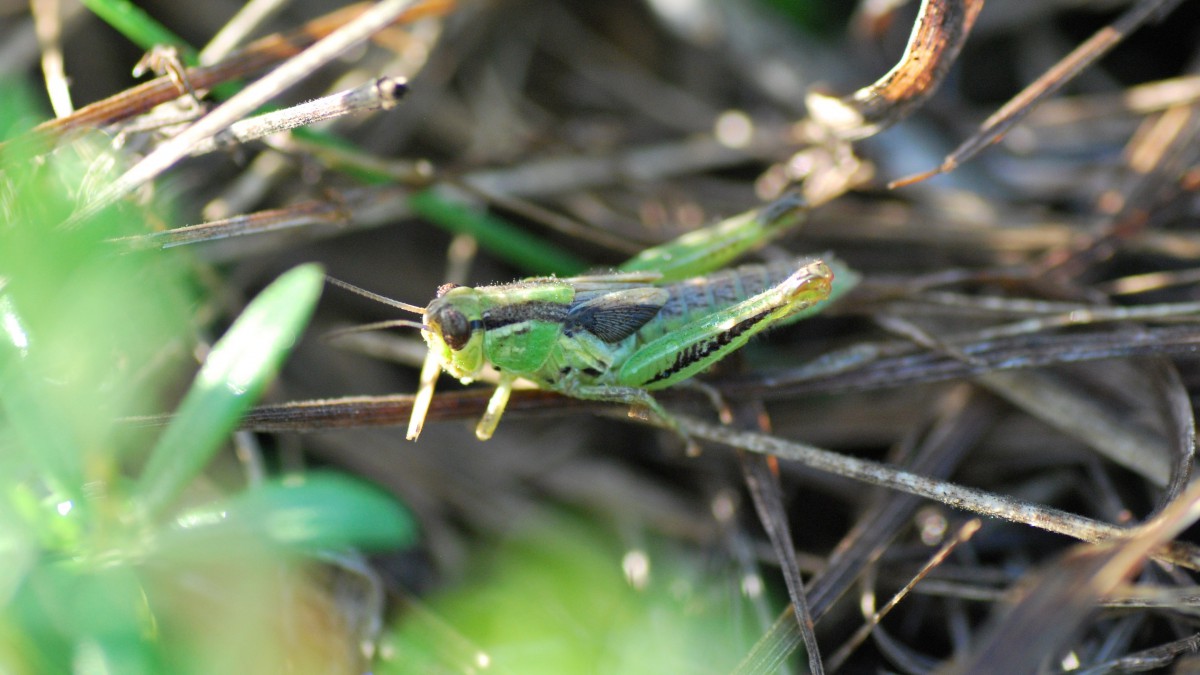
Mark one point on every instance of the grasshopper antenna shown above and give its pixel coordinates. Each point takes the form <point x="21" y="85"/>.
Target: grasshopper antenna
<point x="368" y="327"/>
<point x="429" y="371"/>
<point x="375" y="296"/>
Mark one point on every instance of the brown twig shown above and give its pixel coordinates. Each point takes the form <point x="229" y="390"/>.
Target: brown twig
<point x="941" y="29"/>
<point x="996" y="125"/>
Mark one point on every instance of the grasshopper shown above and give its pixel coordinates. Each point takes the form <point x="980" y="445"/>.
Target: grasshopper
<point x="619" y="336"/>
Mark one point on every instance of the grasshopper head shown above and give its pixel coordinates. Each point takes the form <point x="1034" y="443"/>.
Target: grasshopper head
<point x="454" y="322"/>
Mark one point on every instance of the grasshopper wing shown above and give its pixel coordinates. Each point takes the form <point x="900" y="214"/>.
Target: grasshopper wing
<point x="614" y="316"/>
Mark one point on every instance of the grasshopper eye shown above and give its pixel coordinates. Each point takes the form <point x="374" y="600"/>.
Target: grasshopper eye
<point x="456" y="330"/>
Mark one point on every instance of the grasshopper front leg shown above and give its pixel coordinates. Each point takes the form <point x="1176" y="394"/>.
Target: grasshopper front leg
<point x="697" y="345"/>
<point x="495" y="408"/>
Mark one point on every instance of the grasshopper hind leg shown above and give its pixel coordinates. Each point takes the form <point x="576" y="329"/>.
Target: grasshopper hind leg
<point x="639" y="399"/>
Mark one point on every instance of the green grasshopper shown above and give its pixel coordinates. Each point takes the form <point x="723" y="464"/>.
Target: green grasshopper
<point x="619" y="336"/>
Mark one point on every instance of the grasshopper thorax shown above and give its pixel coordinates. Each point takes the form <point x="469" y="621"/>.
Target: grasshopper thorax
<point x="454" y="330"/>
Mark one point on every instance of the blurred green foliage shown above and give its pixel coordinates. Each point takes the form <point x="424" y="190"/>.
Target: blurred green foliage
<point x="567" y="598"/>
<point x="122" y="559"/>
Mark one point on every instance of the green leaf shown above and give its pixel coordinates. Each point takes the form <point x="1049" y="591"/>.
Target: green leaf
<point x="231" y="380"/>
<point x="302" y="514"/>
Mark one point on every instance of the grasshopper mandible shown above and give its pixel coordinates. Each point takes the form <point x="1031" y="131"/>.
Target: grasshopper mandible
<point x="619" y="336"/>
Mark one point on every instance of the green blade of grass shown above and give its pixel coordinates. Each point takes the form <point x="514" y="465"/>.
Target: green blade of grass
<point x="494" y="234"/>
<point x="138" y="26"/>
<point x="497" y="236"/>
<point x="233" y="376"/>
